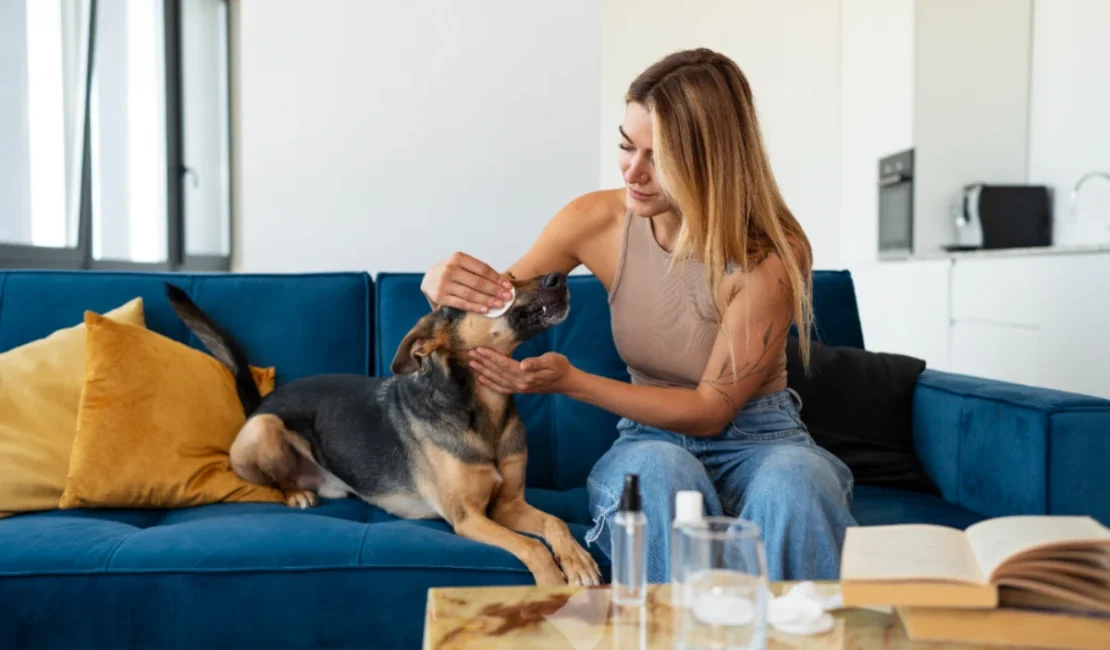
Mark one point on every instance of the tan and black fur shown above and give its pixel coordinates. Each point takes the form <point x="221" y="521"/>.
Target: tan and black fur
<point x="430" y="441"/>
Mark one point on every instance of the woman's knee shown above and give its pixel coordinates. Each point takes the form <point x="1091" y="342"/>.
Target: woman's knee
<point x="661" y="466"/>
<point x="664" y="469"/>
<point x="793" y="477"/>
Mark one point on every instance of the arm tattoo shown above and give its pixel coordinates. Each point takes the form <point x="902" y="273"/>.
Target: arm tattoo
<point x="728" y="377"/>
<point x="732" y="296"/>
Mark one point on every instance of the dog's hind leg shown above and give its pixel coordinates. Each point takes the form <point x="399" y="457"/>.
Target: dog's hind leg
<point x="512" y="511"/>
<point x="265" y="453"/>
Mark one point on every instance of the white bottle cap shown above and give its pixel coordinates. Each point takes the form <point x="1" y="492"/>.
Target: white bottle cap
<point x="688" y="506"/>
<point x="498" y="311"/>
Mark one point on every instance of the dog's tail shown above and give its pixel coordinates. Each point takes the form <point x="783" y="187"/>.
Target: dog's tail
<point x="222" y="346"/>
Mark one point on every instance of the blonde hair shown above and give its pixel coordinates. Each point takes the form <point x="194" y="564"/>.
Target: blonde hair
<point x="714" y="170"/>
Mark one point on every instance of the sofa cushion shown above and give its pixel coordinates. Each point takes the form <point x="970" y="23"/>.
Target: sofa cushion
<point x="835" y="311"/>
<point x="302" y="324"/>
<point x="156" y="422"/>
<point x="40" y="391"/>
<point x="876" y="506"/>
<point x="1003" y="448"/>
<point x="135" y="578"/>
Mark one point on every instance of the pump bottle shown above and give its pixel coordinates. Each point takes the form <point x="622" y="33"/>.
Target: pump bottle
<point x="687" y="509"/>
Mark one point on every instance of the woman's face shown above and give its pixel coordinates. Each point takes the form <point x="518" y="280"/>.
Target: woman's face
<point x="644" y="196"/>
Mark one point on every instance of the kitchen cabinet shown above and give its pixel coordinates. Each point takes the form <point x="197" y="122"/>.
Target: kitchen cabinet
<point x="903" y="308"/>
<point x="1037" y="319"/>
<point x="1041" y="319"/>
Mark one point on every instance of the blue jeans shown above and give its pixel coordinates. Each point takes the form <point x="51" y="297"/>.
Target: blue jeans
<point x="764" y="467"/>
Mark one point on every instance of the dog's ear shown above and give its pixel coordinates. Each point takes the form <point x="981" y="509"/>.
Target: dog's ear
<point x="421" y="341"/>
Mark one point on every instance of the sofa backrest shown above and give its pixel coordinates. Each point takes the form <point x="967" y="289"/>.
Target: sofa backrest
<point x="565" y="437"/>
<point x="300" y="324"/>
<point x="308" y="324"/>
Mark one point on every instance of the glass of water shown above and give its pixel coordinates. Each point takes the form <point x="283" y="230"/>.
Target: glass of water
<point x="725" y="592"/>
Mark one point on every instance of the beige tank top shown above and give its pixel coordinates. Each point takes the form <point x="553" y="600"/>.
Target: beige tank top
<point x="663" y="319"/>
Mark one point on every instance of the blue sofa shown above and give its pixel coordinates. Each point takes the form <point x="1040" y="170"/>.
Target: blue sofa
<point x="346" y="575"/>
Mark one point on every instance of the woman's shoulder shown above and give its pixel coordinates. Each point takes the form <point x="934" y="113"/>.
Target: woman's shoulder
<point x="575" y="235"/>
<point x="588" y="216"/>
<point x="597" y="208"/>
<point x="767" y="279"/>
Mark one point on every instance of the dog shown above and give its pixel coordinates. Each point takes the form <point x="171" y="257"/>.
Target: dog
<point x="429" y="442"/>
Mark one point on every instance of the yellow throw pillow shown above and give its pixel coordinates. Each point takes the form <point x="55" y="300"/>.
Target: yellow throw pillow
<point x="156" y="421"/>
<point x="40" y="390"/>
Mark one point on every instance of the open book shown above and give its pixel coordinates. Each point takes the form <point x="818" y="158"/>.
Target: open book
<point x="1057" y="562"/>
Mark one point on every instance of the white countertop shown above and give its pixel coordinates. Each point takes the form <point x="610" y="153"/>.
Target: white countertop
<point x="1062" y="249"/>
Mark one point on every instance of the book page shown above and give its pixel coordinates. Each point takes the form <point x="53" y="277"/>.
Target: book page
<point x="995" y="541"/>
<point x="1074" y="592"/>
<point x="1050" y="567"/>
<point x="1050" y="599"/>
<point x="908" y="552"/>
<point x="1098" y="558"/>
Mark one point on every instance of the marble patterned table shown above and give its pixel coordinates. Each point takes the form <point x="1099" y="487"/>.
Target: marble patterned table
<point x="576" y="618"/>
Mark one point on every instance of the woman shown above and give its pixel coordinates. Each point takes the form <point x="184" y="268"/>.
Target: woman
<point x="706" y="270"/>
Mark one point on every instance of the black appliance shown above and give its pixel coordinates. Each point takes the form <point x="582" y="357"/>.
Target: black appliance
<point x="1004" y="216"/>
<point x="896" y="204"/>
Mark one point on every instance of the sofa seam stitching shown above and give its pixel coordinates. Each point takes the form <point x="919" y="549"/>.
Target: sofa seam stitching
<point x="374" y="330"/>
<point x="960" y="452"/>
<point x="115" y="549"/>
<point x="368" y="333"/>
<point x="1048" y="463"/>
<point x="362" y="544"/>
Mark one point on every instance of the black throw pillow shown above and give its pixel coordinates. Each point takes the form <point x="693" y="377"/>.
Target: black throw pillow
<point x="858" y="404"/>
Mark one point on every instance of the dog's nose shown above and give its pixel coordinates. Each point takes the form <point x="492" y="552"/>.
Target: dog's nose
<point x="553" y="280"/>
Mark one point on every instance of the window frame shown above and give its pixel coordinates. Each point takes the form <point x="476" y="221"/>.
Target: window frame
<point x="80" y="256"/>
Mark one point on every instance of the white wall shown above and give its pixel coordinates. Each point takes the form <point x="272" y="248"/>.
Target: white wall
<point x="383" y="136"/>
<point x="903" y="305"/>
<point x="876" y="112"/>
<point x="903" y="308"/>
<point x="971" y="91"/>
<point x="15" y="173"/>
<point x="788" y="49"/>
<point x="1069" y="108"/>
<point x="480" y="120"/>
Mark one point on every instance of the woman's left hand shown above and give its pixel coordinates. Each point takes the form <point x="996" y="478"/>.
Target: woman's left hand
<point x="548" y="373"/>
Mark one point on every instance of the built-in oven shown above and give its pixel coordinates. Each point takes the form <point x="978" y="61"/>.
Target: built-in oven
<point x="896" y="204"/>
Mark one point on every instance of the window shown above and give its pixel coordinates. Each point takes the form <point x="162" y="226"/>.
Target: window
<point x="115" y="134"/>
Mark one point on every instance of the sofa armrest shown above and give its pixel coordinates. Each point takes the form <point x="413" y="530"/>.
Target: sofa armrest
<point x="999" y="448"/>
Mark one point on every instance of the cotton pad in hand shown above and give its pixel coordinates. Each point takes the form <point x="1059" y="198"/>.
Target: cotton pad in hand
<point x="494" y="313"/>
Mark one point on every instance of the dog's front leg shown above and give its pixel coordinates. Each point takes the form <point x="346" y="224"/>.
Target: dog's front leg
<point x="473" y="524"/>
<point x="512" y="511"/>
<point x="464" y="494"/>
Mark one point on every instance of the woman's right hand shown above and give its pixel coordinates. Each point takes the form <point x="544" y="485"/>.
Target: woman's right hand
<point x="464" y="282"/>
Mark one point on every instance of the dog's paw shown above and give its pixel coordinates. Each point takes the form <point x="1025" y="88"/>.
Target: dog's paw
<point x="302" y="499"/>
<point x="549" y="576"/>
<point x="580" y="567"/>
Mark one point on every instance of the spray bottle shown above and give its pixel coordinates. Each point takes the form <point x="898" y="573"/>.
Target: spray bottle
<point x="629" y="554"/>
